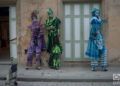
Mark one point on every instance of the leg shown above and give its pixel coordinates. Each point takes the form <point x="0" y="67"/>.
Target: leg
<point x="50" y="63"/>
<point x="30" y="52"/>
<point x="57" y="61"/>
<point x="29" y="60"/>
<point x="53" y="61"/>
<point x="50" y="44"/>
<point x="38" y="54"/>
<point x="94" y="64"/>
<point x="103" y="60"/>
<point x="37" y="62"/>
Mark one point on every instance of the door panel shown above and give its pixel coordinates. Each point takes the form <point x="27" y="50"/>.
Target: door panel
<point x="68" y="50"/>
<point x="68" y="29"/>
<point x="76" y="29"/>
<point x="67" y="9"/>
<point x="76" y="9"/>
<point x="86" y="8"/>
<point x="77" y="50"/>
<point x="86" y="28"/>
<point x="12" y="31"/>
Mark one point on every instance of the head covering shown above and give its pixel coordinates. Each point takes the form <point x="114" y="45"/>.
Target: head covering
<point x="50" y="11"/>
<point x="94" y="10"/>
<point x="34" y="14"/>
<point x="36" y="11"/>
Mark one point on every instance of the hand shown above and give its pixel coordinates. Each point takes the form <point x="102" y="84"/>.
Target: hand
<point x="104" y="20"/>
<point x="52" y="27"/>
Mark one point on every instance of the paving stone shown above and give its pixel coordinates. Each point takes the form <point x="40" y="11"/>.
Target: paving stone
<point x="2" y="83"/>
<point x="102" y="83"/>
<point x="65" y="84"/>
<point x="54" y="84"/>
<point x="22" y="83"/>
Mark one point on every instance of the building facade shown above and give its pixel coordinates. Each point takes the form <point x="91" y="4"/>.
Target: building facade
<point x="75" y="16"/>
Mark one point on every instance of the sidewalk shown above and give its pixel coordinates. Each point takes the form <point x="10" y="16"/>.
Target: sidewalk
<point x="75" y="74"/>
<point x="68" y="74"/>
<point x="4" y="69"/>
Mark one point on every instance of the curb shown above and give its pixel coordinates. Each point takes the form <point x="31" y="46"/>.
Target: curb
<point x="58" y="80"/>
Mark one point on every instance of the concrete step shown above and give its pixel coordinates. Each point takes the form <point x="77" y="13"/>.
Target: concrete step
<point x="58" y="79"/>
<point x="5" y="62"/>
<point x="64" y="74"/>
<point x="23" y="83"/>
<point x="62" y="80"/>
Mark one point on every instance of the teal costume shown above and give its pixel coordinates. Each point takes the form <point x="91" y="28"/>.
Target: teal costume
<point x="53" y="46"/>
<point x="96" y="49"/>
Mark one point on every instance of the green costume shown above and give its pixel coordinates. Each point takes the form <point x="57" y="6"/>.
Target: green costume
<point x="53" y="30"/>
<point x="54" y="60"/>
<point x="52" y="25"/>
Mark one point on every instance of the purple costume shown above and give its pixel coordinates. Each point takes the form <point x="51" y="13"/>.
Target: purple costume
<point x="37" y="43"/>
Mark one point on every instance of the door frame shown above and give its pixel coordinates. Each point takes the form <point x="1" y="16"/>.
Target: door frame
<point x="10" y="3"/>
<point x="82" y="58"/>
<point x="12" y="32"/>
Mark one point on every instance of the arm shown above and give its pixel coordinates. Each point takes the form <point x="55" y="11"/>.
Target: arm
<point x="94" y="28"/>
<point x="104" y="20"/>
<point x="48" y="25"/>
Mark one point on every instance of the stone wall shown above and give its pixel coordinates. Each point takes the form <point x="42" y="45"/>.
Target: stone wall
<point x="110" y="8"/>
<point x="113" y="39"/>
<point x="26" y="8"/>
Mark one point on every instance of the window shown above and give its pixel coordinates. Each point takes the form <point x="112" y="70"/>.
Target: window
<point x="76" y="29"/>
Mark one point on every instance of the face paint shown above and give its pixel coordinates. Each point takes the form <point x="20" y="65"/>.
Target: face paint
<point x="34" y="15"/>
<point x="50" y="12"/>
<point x="97" y="13"/>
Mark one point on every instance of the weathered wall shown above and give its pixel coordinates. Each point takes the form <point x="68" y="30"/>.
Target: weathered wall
<point x="111" y="12"/>
<point x="113" y="39"/>
<point x="26" y="7"/>
<point x="7" y="2"/>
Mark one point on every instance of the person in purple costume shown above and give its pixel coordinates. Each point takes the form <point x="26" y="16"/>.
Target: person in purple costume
<point x="37" y="42"/>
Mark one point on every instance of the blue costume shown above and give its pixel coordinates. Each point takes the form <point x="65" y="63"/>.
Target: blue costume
<point x="96" y="49"/>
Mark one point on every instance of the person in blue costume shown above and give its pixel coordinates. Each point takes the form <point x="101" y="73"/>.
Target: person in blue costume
<point x="96" y="49"/>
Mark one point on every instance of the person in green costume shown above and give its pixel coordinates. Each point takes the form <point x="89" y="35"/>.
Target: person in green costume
<point x="52" y="24"/>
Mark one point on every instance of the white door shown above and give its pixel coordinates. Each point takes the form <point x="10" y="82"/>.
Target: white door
<point x="76" y="29"/>
<point x="12" y="32"/>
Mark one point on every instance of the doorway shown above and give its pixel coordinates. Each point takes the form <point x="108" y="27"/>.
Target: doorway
<point x="76" y="29"/>
<point x="4" y="34"/>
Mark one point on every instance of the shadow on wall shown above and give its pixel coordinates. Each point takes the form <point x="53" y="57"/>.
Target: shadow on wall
<point x="115" y="60"/>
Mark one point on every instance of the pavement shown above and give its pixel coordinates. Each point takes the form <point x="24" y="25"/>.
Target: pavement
<point x="4" y="69"/>
<point x="66" y="74"/>
<point x="21" y="83"/>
